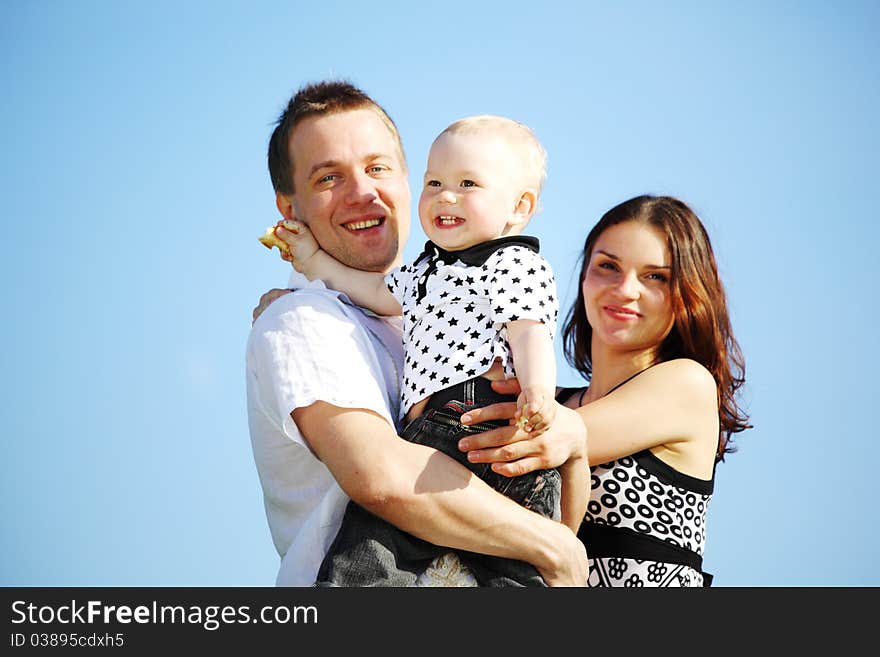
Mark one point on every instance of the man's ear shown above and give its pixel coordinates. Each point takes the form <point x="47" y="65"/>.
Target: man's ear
<point x="525" y="208"/>
<point x="284" y="203"/>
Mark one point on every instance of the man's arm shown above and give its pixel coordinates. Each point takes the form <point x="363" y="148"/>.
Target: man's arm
<point x="430" y="495"/>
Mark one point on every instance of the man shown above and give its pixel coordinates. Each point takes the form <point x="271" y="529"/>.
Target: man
<point x="323" y="374"/>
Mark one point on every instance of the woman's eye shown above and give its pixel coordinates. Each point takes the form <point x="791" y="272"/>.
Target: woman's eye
<point x="607" y="265"/>
<point x="658" y="277"/>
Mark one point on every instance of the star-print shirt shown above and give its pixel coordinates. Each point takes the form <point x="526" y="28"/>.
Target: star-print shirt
<point x="456" y="305"/>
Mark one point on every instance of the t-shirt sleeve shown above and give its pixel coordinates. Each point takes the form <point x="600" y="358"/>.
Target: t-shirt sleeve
<point x="396" y="280"/>
<point x="310" y="350"/>
<point x="522" y="286"/>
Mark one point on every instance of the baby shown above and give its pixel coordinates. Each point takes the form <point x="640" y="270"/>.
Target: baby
<point x="479" y="304"/>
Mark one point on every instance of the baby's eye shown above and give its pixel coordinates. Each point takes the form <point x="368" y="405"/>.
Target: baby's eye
<point x="468" y="183"/>
<point x="432" y="183"/>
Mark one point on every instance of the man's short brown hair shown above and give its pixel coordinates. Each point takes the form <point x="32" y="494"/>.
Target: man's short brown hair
<point x="317" y="99"/>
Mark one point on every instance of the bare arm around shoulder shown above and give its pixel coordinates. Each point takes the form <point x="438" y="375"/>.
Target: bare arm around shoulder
<point x="430" y="495"/>
<point x="365" y="288"/>
<point x="671" y="408"/>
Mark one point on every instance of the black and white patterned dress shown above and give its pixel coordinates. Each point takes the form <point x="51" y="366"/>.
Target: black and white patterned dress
<point x="645" y="523"/>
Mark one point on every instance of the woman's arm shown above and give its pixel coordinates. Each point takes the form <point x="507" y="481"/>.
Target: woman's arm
<point x="575" y="474"/>
<point x="672" y="406"/>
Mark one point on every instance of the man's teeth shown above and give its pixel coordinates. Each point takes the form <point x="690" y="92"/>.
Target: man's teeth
<point x="360" y="225"/>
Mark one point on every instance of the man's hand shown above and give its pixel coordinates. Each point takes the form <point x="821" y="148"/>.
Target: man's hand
<point x="265" y="300"/>
<point x="573" y="568"/>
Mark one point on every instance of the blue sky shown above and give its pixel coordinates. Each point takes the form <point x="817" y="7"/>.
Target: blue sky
<point x="134" y="186"/>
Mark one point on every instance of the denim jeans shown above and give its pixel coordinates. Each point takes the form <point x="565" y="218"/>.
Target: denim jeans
<point x="369" y="551"/>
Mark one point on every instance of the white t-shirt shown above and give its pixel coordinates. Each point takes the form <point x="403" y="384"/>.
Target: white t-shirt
<point x="307" y="346"/>
<point x="456" y="305"/>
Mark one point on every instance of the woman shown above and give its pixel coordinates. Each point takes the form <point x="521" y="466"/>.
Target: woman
<point x="651" y="333"/>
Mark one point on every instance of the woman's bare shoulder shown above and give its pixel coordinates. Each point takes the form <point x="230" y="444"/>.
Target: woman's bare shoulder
<point x="685" y="376"/>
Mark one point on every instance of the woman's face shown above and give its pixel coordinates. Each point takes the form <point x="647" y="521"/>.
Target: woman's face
<point x="627" y="288"/>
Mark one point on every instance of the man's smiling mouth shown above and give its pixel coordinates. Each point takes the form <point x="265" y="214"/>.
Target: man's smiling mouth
<point x="364" y="224"/>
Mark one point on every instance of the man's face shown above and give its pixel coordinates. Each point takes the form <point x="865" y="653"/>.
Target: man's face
<point x="351" y="188"/>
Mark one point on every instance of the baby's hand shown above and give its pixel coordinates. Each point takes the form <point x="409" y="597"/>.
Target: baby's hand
<point x="535" y="411"/>
<point x="300" y="242"/>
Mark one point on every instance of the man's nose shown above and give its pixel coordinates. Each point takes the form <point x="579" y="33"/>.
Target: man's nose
<point x="361" y="189"/>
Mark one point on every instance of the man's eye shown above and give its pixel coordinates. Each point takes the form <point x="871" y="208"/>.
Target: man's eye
<point x="468" y="183"/>
<point x="377" y="169"/>
<point x="328" y="178"/>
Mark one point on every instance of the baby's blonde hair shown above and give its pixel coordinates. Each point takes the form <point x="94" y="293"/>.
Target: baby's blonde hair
<point x="534" y="155"/>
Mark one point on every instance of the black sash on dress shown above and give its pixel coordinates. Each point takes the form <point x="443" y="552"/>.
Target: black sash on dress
<point x="606" y="541"/>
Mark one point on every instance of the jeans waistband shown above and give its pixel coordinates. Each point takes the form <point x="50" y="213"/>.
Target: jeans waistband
<point x="473" y="392"/>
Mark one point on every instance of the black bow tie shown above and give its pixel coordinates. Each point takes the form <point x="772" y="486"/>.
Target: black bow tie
<point x="477" y="255"/>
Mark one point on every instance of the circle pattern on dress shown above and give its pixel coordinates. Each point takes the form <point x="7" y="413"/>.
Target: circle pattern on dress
<point x="644" y="501"/>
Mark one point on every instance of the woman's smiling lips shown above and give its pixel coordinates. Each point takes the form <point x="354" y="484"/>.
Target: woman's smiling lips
<point x="623" y="314"/>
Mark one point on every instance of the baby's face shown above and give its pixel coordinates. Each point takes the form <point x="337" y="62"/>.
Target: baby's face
<point x="472" y="189"/>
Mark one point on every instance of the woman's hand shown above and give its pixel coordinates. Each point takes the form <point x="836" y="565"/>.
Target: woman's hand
<point x="513" y="452"/>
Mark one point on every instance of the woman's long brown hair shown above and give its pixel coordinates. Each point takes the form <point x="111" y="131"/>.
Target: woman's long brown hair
<point x="701" y="329"/>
